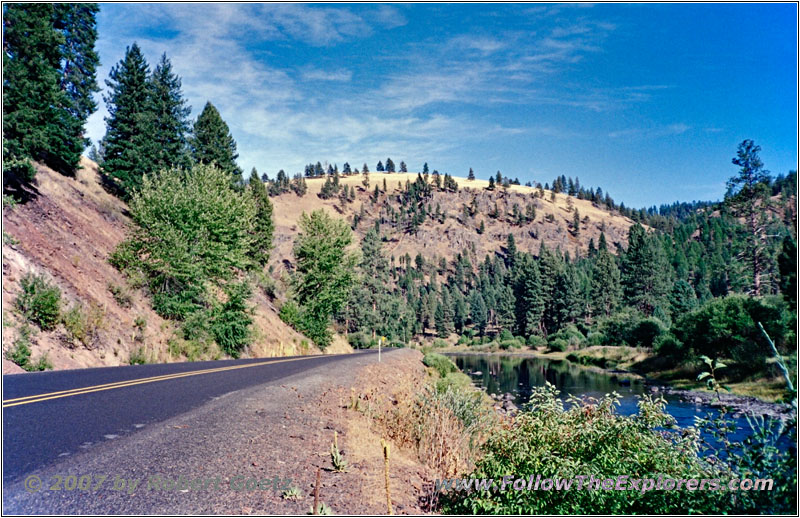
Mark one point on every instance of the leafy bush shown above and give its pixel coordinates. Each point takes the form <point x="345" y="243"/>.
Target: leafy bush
<point x="588" y="439"/>
<point x="40" y="301"/>
<point x="570" y="335"/>
<point x="194" y="235"/>
<point x="558" y="345"/>
<point x="439" y="343"/>
<point x="644" y="333"/>
<point x="726" y="327"/>
<point x="442" y="364"/>
<point x="82" y="324"/>
<point x="138" y="357"/>
<point x="230" y="321"/>
<point x="536" y="341"/>
<point x="21" y="352"/>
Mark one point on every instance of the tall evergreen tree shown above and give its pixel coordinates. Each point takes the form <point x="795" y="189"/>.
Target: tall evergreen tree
<point x="471" y="175"/>
<point x="167" y="114"/>
<point x="645" y="276"/>
<point x="478" y="312"/>
<point x="77" y="23"/>
<point x="36" y="121"/>
<point x="529" y="304"/>
<point x="606" y="291"/>
<point x="263" y="226"/>
<point x="125" y="142"/>
<point x="748" y="197"/>
<point x="389" y="165"/>
<point x="211" y="142"/>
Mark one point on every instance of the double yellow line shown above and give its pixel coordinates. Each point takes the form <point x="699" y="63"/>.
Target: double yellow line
<point x="120" y="384"/>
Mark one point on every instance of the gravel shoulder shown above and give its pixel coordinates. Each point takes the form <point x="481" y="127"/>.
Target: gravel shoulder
<point x="236" y="454"/>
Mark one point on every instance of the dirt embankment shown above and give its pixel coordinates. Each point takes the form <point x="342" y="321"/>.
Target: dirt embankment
<point x="67" y="233"/>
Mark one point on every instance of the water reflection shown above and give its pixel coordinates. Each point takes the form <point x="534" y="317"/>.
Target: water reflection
<point x="517" y="375"/>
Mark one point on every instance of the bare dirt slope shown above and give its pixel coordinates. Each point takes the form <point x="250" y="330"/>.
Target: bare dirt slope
<point x="67" y="233"/>
<point x="434" y="239"/>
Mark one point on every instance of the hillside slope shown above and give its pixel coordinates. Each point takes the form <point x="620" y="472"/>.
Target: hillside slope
<point x="436" y="240"/>
<point x="66" y="233"/>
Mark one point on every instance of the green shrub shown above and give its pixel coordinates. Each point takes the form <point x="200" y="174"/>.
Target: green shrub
<point x="669" y="346"/>
<point x="595" y="338"/>
<point x="570" y="335"/>
<point x="505" y="334"/>
<point x="39" y="301"/>
<point x="82" y="324"/>
<point x="230" y="322"/>
<point x="138" y="357"/>
<point x="587" y="439"/>
<point x="726" y="328"/>
<point x="21" y="352"/>
<point x="439" y="343"/>
<point x="442" y="364"/>
<point x="290" y="313"/>
<point x="645" y="332"/>
<point x="558" y="345"/>
<point x="536" y="341"/>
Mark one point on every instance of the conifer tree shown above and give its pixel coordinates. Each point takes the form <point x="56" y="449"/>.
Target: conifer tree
<point x="471" y="175"/>
<point x="37" y="123"/>
<point x="606" y="291"/>
<point x="644" y="274"/>
<point x="478" y="312"/>
<point x="167" y="114"/>
<point x="263" y="226"/>
<point x="403" y="167"/>
<point x="211" y="142"/>
<point x="748" y="197"/>
<point x="125" y="157"/>
<point x="389" y="165"/>
<point x="379" y="167"/>
<point x="77" y="23"/>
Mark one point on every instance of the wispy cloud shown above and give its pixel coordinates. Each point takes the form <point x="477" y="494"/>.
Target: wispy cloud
<point x="668" y="130"/>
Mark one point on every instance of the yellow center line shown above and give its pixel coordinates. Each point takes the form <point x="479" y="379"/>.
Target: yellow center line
<point x="109" y="386"/>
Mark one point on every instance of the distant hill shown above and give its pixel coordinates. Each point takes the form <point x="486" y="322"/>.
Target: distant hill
<point x="452" y="234"/>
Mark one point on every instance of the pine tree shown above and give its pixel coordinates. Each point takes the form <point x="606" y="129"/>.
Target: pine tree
<point x="425" y="168"/>
<point x="389" y="165"/>
<point x="365" y="169"/>
<point x="403" y="167"/>
<point x="682" y="298"/>
<point x="263" y="226"/>
<point x="748" y="197"/>
<point x="168" y="118"/>
<point x="491" y="184"/>
<point x="787" y="265"/>
<point x="471" y="175"/>
<point x="77" y="23"/>
<point x="365" y="179"/>
<point x="606" y="291"/>
<point x="124" y="157"/>
<point x="645" y="272"/>
<point x="478" y="312"/>
<point x="379" y="167"/>
<point x="212" y="142"/>
<point x="36" y="120"/>
<point x="529" y="303"/>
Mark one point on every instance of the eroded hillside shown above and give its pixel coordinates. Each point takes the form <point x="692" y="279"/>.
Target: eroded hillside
<point x="66" y="234"/>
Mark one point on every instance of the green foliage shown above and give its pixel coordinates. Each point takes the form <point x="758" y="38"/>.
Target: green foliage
<point x="726" y="328"/>
<point x="83" y="324"/>
<point x="337" y="458"/>
<point x="194" y="232"/>
<point x="138" y="357"/>
<point x="587" y="439"/>
<point x="263" y="226"/>
<point x="440" y="363"/>
<point x="48" y="82"/>
<point x="212" y="143"/>
<point x="39" y="301"/>
<point x="324" y="275"/>
<point x="127" y="139"/>
<point x="20" y="353"/>
<point x="230" y="321"/>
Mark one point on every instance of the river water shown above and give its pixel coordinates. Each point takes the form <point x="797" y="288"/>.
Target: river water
<point x="517" y="375"/>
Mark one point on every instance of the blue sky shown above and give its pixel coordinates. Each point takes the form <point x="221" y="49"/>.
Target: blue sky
<point x="647" y="101"/>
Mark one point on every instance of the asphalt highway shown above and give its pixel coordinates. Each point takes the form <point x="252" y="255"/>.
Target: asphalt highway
<point x="51" y="415"/>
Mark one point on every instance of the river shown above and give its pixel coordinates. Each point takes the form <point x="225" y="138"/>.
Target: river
<point x="517" y="375"/>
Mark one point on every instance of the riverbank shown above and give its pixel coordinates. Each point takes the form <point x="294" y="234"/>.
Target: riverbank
<point x="627" y="363"/>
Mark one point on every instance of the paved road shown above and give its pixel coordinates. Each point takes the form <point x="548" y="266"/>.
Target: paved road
<point x="52" y="415"/>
